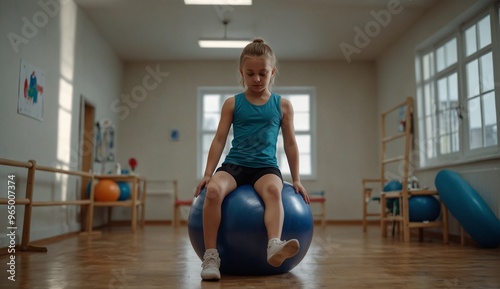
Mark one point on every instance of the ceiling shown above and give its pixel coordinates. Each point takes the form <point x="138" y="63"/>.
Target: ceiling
<point x="295" y="29"/>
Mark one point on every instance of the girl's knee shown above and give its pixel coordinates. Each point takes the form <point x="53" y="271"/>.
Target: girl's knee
<point x="214" y="193"/>
<point x="273" y="191"/>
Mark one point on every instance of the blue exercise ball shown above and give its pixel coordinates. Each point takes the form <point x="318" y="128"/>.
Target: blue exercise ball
<point x="89" y="186"/>
<point x="393" y="204"/>
<point x="423" y="208"/>
<point x="124" y="191"/>
<point x="393" y="186"/>
<point x="242" y="237"/>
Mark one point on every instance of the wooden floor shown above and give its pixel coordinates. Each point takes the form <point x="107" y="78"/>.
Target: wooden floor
<point x="339" y="257"/>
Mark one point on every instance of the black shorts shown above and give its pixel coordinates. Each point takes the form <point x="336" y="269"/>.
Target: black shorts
<point x="248" y="176"/>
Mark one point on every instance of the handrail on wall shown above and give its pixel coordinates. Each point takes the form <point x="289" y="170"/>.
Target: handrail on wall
<point x="28" y="202"/>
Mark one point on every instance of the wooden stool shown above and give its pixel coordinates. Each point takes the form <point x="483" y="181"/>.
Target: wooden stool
<point x="178" y="204"/>
<point x="319" y="197"/>
<point x="367" y="190"/>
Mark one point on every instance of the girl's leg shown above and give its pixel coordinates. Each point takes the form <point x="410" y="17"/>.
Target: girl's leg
<point x="269" y="188"/>
<point x="219" y="186"/>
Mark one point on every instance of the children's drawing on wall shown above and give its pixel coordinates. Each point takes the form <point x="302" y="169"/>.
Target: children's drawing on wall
<point x="105" y="141"/>
<point x="31" y="84"/>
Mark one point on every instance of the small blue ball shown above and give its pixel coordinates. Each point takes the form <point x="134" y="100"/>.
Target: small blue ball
<point x="124" y="191"/>
<point x="393" y="204"/>
<point x="423" y="208"/>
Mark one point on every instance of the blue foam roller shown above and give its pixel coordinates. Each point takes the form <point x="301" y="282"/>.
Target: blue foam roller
<point x="468" y="208"/>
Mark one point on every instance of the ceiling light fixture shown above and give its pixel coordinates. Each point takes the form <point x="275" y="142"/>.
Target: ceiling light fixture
<point x="224" y="42"/>
<point x="218" y="2"/>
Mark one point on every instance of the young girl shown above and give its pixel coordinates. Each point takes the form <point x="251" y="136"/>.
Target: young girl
<point x="256" y="116"/>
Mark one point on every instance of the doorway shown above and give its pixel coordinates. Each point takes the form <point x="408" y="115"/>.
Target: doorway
<point x="86" y="151"/>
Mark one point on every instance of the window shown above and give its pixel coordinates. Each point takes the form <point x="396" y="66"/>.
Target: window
<point x="211" y="100"/>
<point x="457" y="115"/>
<point x="439" y="100"/>
<point x="480" y="92"/>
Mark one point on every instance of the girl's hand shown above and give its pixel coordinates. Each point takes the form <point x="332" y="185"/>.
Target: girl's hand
<point x="201" y="185"/>
<point x="300" y="189"/>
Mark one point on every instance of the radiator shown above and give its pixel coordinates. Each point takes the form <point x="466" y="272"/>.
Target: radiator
<point x="486" y="182"/>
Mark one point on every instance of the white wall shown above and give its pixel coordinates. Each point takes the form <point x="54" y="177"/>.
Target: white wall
<point x="346" y="126"/>
<point x="396" y="68"/>
<point x="60" y="40"/>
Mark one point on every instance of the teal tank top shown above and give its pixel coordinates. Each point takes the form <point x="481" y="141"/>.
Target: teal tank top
<point x="255" y="129"/>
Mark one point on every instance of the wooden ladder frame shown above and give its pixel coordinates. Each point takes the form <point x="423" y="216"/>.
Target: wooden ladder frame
<point x="403" y="218"/>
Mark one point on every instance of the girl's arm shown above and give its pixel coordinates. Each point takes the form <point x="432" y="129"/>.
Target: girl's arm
<point x="290" y="146"/>
<point x="218" y="143"/>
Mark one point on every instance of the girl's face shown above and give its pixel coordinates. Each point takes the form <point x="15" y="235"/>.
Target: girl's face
<point x="257" y="73"/>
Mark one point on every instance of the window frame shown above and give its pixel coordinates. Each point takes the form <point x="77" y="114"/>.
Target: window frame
<point x="281" y="90"/>
<point x="464" y="154"/>
<point x="433" y="82"/>
<point x="491" y="150"/>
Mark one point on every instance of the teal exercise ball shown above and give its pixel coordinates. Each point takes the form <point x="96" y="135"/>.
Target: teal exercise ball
<point x="393" y="186"/>
<point x="393" y="204"/>
<point x="423" y="208"/>
<point x="124" y="191"/>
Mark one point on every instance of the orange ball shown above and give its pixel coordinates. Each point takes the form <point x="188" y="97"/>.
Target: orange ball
<point x="106" y="191"/>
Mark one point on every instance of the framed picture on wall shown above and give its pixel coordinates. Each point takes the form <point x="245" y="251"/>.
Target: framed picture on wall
<point x="31" y="87"/>
<point x="105" y="141"/>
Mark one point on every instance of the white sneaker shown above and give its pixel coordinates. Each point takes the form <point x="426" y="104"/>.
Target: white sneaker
<point x="210" y="265"/>
<point x="278" y="251"/>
